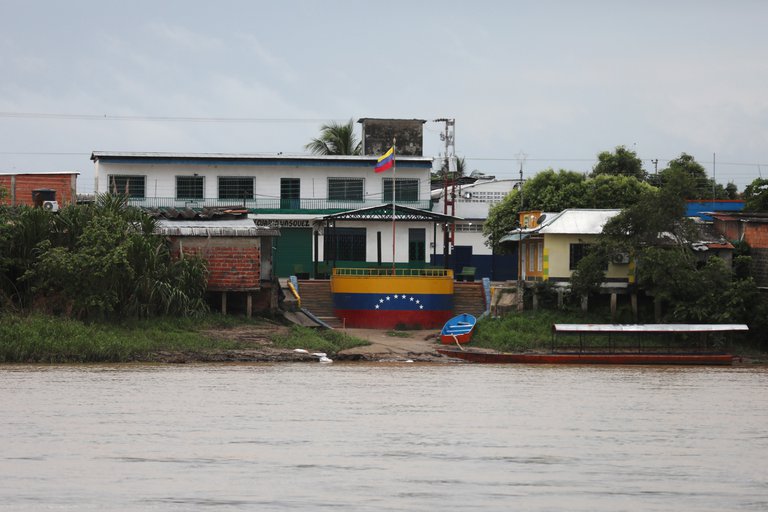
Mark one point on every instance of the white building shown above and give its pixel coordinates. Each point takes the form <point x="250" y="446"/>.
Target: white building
<point x="292" y="193"/>
<point x="472" y="204"/>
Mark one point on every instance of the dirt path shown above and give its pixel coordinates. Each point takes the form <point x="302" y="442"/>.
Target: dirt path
<point x="403" y="346"/>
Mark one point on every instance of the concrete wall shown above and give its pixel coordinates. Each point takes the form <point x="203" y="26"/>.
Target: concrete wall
<point x="378" y="135"/>
<point x="19" y="187"/>
<point x="557" y="254"/>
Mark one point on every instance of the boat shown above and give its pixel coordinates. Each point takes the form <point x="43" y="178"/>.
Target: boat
<point x="458" y="329"/>
<point x="592" y="358"/>
<point x="617" y="353"/>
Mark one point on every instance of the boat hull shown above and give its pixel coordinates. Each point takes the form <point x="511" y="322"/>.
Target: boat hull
<point x="608" y="359"/>
<point x="458" y="329"/>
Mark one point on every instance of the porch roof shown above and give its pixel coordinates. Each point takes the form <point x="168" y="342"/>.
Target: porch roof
<point x="383" y="212"/>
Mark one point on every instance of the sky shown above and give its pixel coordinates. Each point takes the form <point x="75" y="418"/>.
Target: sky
<point x="536" y="84"/>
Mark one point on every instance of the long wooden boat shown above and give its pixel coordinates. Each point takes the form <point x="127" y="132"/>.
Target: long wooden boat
<point x="583" y="358"/>
<point x="458" y="329"/>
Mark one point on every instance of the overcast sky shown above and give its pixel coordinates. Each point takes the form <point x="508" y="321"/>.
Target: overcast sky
<point x="557" y="81"/>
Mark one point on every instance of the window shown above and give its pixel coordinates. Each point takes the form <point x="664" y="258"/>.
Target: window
<point x="345" y="189"/>
<point x="578" y="251"/>
<point x="344" y="244"/>
<point x="235" y="187"/>
<point x="131" y="186"/>
<point x="189" y="187"/>
<point x="407" y="189"/>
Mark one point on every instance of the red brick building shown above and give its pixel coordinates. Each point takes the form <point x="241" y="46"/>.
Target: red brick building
<point x="239" y="256"/>
<point x="18" y="187"/>
<point x="751" y="228"/>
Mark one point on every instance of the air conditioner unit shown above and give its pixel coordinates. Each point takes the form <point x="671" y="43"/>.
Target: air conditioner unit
<point x="51" y="206"/>
<point x="621" y="258"/>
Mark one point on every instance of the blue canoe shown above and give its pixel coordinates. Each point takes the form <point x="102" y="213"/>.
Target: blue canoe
<point x="458" y="329"/>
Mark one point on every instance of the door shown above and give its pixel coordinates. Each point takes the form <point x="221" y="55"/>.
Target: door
<point x="290" y="192"/>
<point x="293" y="252"/>
<point x="416" y="245"/>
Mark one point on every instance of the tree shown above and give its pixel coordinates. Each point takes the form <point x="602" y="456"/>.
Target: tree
<point x="756" y="196"/>
<point x="439" y="176"/>
<point x="336" y="139"/>
<point x="689" y="179"/>
<point x="95" y="261"/>
<point x="552" y="191"/>
<point x="622" y="162"/>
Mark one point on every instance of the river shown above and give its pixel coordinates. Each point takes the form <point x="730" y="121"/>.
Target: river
<point x="357" y="437"/>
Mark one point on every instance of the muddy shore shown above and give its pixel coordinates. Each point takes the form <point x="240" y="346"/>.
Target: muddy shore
<point x="402" y="346"/>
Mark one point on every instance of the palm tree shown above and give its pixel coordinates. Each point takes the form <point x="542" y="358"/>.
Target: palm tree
<point x="336" y="139"/>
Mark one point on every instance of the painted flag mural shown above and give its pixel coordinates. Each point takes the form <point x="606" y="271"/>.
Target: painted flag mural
<point x="387" y="302"/>
<point x="386" y="161"/>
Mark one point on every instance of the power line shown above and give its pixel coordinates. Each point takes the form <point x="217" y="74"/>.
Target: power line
<point x="181" y="119"/>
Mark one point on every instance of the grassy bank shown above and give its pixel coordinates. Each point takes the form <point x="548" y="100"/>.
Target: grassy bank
<point x="47" y="339"/>
<point x="316" y="340"/>
<point x="532" y="331"/>
<point x="526" y="331"/>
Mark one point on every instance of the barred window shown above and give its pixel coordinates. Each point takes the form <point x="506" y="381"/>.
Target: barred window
<point x="344" y="244"/>
<point x="189" y="187"/>
<point x="407" y="189"/>
<point x="235" y="187"/>
<point x="345" y="189"/>
<point x="131" y="186"/>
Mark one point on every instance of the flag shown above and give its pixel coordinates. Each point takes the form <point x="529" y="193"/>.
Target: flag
<point x="386" y="161"/>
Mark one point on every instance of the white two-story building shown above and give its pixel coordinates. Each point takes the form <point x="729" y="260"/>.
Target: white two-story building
<point x="294" y="194"/>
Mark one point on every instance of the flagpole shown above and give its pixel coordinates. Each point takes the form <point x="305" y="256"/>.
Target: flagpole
<point x="394" y="195"/>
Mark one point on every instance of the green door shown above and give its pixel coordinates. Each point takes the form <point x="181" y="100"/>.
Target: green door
<point x="293" y="252"/>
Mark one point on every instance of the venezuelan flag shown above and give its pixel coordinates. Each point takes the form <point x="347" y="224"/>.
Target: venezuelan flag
<point x="386" y="161"/>
<point x="386" y="302"/>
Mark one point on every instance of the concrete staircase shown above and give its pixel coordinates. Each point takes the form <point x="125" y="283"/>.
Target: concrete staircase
<point x="469" y="298"/>
<point x="316" y="298"/>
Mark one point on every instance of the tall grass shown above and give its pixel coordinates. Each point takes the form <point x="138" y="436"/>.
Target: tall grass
<point x="526" y="331"/>
<point x="47" y="339"/>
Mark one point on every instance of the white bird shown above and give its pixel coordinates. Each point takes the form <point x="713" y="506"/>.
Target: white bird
<point x="325" y="359"/>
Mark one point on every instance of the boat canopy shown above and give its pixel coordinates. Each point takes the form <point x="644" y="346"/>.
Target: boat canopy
<point x="646" y="328"/>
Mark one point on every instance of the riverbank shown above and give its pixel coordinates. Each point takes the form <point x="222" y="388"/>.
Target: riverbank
<point x="44" y="339"/>
<point x="214" y="338"/>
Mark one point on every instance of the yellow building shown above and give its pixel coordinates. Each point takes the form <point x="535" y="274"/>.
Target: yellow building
<point x="552" y="244"/>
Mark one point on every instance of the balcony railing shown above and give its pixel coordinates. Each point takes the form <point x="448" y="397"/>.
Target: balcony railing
<point x="270" y="205"/>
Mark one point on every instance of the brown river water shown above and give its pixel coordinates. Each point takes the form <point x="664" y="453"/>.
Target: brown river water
<point x="357" y="437"/>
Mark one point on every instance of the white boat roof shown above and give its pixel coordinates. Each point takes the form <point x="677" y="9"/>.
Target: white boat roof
<point x="646" y="328"/>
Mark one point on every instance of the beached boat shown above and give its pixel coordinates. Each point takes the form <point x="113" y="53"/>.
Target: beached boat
<point x="615" y="352"/>
<point x="458" y="329"/>
<point x="533" y="358"/>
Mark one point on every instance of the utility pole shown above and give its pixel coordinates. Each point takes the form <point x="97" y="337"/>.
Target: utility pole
<point x="521" y="156"/>
<point x="449" y="185"/>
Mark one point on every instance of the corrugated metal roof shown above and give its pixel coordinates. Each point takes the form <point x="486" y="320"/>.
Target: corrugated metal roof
<point x="45" y="173"/>
<point x="578" y="222"/>
<point x="213" y="228"/>
<point x="255" y="157"/>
